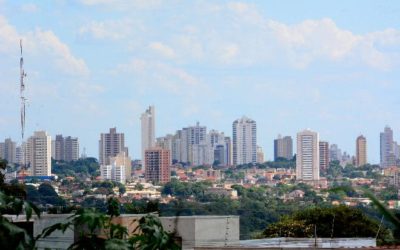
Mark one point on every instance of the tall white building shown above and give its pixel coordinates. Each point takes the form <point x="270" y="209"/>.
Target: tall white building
<point x="148" y="129"/>
<point x="244" y="141"/>
<point x="113" y="172"/>
<point x="307" y="159"/>
<point x="8" y="150"/>
<point x="387" y="154"/>
<point x="39" y="154"/>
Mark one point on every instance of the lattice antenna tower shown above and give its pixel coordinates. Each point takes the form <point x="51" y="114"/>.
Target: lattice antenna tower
<point x="22" y="91"/>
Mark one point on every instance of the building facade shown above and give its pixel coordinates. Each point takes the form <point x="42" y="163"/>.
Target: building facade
<point x="111" y="144"/>
<point x="323" y="155"/>
<point x="157" y="165"/>
<point x="38" y="150"/>
<point x="66" y="148"/>
<point x="8" y="150"/>
<point x="244" y="141"/>
<point x="148" y="121"/>
<point x="387" y="156"/>
<point x="283" y="147"/>
<point x="307" y="159"/>
<point x="361" y="151"/>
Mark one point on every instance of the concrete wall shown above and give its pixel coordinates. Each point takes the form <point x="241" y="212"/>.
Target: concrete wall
<point x="198" y="231"/>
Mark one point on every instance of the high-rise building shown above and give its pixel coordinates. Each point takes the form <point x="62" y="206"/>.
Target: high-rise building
<point x="190" y="136"/>
<point x="307" y="158"/>
<point x="148" y="129"/>
<point x="123" y="161"/>
<point x="111" y="144"/>
<point x="8" y="150"/>
<point x="283" y="147"/>
<point x="361" y="151"/>
<point x="157" y="165"/>
<point x="260" y="155"/>
<point x="228" y="152"/>
<point x="386" y="148"/>
<point x="335" y="154"/>
<point x="113" y="172"/>
<point x="323" y="155"/>
<point x="38" y="156"/>
<point x="244" y="141"/>
<point x="65" y="148"/>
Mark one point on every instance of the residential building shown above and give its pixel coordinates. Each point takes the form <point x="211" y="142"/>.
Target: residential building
<point x="244" y="141"/>
<point x="124" y="161"/>
<point x="111" y="144"/>
<point x="307" y="158"/>
<point x="39" y="154"/>
<point x="190" y="136"/>
<point x="228" y="152"/>
<point x="283" y="147"/>
<point x="260" y="155"/>
<point x="387" y="157"/>
<point x="8" y="150"/>
<point x="157" y="165"/>
<point x="148" y="119"/>
<point x="323" y="155"/>
<point x="361" y="151"/>
<point x="65" y="148"/>
<point x="113" y="172"/>
<point x="335" y="153"/>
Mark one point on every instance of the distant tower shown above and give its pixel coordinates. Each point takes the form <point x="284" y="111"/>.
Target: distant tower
<point x="244" y="141"/>
<point x="110" y="145"/>
<point x="22" y="91"/>
<point x="307" y="159"/>
<point x="323" y="155"/>
<point x="283" y="148"/>
<point x="361" y="151"/>
<point x="157" y="162"/>
<point x="148" y="129"/>
<point x="386" y="145"/>
<point x="39" y="153"/>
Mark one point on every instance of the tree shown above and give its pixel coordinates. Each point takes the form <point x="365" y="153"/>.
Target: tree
<point x="339" y="221"/>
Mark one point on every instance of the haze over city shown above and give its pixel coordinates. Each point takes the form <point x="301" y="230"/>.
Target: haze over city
<point x="93" y="65"/>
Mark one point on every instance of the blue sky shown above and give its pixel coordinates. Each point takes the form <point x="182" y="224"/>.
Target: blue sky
<point x="331" y="66"/>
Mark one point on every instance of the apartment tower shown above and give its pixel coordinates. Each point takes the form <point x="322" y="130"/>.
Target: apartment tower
<point x="361" y="151"/>
<point x="157" y="162"/>
<point x="38" y="157"/>
<point x="110" y="145"/>
<point x="307" y="159"/>
<point x="244" y="141"/>
<point x="148" y="129"/>
<point x="283" y="147"/>
<point x="323" y="155"/>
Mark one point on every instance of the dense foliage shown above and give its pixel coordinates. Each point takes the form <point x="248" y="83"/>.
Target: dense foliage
<point x="86" y="167"/>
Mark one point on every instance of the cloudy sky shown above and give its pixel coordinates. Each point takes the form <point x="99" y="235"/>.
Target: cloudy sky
<point x="332" y="66"/>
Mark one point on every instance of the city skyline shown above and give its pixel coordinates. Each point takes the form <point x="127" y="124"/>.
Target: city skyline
<point x="275" y="71"/>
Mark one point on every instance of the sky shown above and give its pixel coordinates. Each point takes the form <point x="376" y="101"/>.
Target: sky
<point x="331" y="66"/>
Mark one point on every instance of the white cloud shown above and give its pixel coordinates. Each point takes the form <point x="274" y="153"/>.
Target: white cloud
<point x="162" y="49"/>
<point x="156" y="74"/>
<point x="43" y="44"/>
<point x="110" y="29"/>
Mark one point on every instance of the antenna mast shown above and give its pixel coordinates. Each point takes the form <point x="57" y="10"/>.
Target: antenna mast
<point x="22" y="91"/>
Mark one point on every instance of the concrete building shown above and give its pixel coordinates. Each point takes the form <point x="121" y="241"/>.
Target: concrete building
<point x="8" y="151"/>
<point x="323" y="155"/>
<point x="335" y="153"/>
<point x="113" y="172"/>
<point x="111" y="144"/>
<point x="260" y="155"/>
<point x="229" y="154"/>
<point x="361" y="151"/>
<point x="148" y="120"/>
<point x="283" y="147"/>
<point x="157" y="165"/>
<point x="387" y="157"/>
<point x="193" y="135"/>
<point x="38" y="154"/>
<point x="123" y="161"/>
<point x="307" y="159"/>
<point x="65" y="148"/>
<point x="244" y="141"/>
